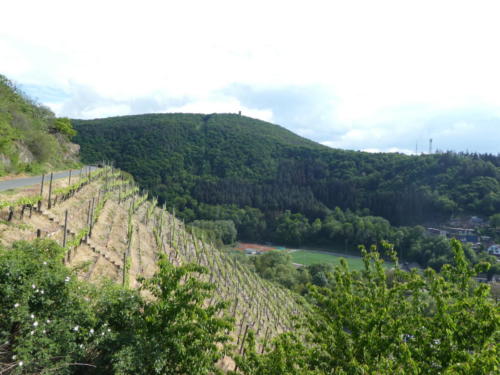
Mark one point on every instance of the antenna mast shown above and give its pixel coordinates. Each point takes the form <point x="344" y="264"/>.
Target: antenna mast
<point x="430" y="146"/>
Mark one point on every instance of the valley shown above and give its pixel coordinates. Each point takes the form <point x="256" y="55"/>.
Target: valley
<point x="131" y="268"/>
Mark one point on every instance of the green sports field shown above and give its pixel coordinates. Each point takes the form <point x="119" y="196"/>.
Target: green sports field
<point x="308" y="257"/>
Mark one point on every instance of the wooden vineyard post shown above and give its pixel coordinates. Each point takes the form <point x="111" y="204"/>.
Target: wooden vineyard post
<point x="243" y="340"/>
<point x="38" y="233"/>
<point x="41" y="193"/>
<point x="50" y="190"/>
<point x="88" y="218"/>
<point x="69" y="178"/>
<point x="124" y="279"/>
<point x="41" y="186"/>
<point x="91" y="223"/>
<point x="65" y="228"/>
<point x="264" y="344"/>
<point x="241" y="328"/>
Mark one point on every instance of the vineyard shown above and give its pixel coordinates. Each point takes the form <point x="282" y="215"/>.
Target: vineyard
<point x="110" y="229"/>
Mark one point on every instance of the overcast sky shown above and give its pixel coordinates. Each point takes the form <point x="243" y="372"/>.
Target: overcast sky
<point x="362" y="75"/>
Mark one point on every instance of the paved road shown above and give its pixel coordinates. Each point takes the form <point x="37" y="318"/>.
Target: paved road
<point x="28" y="181"/>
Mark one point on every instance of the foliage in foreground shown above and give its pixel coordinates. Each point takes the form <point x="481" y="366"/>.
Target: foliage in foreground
<point x="51" y="323"/>
<point x="374" y="322"/>
<point x="369" y="322"/>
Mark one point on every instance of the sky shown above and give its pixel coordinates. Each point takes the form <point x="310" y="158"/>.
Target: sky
<point x="362" y="75"/>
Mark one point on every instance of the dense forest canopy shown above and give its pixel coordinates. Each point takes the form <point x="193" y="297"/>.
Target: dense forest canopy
<point x="192" y="160"/>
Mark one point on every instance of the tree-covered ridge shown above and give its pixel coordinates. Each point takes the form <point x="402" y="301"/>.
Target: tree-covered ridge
<point x="31" y="137"/>
<point x="190" y="159"/>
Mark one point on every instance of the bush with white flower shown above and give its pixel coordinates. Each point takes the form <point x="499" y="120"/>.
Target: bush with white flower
<point x="52" y="323"/>
<point x="41" y="304"/>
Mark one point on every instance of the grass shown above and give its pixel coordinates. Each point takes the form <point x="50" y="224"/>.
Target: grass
<point x="308" y="257"/>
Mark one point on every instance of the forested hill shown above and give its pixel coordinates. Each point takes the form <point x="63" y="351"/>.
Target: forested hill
<point x="202" y="163"/>
<point x="32" y="139"/>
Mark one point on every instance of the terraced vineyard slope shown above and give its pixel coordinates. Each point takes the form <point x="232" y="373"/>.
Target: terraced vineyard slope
<point x="111" y="230"/>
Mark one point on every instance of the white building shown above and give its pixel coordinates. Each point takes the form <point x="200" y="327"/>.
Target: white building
<point x="494" y="249"/>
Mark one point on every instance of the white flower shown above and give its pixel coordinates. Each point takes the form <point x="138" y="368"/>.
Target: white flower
<point x="81" y="345"/>
<point x="44" y="263"/>
<point x="44" y="332"/>
<point x="32" y="333"/>
<point x="76" y="328"/>
<point x="14" y="357"/>
<point x="92" y="331"/>
<point x="32" y="316"/>
<point x="21" y="363"/>
<point x="33" y="286"/>
<point x="48" y="321"/>
<point x="41" y="291"/>
<point x="35" y="324"/>
<point x="109" y="330"/>
<point x="66" y="279"/>
<point x="16" y="305"/>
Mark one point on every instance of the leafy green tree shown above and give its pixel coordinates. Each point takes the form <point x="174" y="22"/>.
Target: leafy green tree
<point x="430" y="323"/>
<point x="277" y="266"/>
<point x="176" y="333"/>
<point x="321" y="274"/>
<point x="50" y="323"/>
<point x="47" y="326"/>
<point x="495" y="220"/>
<point x="292" y="228"/>
<point x="222" y="231"/>
<point x="63" y="126"/>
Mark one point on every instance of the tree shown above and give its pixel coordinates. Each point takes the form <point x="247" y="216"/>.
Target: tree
<point x="51" y="323"/>
<point x="176" y="333"/>
<point x="277" y="266"/>
<point x="222" y="231"/>
<point x="47" y="325"/>
<point x="430" y="323"/>
<point x="495" y="220"/>
<point x="292" y="228"/>
<point x="63" y="126"/>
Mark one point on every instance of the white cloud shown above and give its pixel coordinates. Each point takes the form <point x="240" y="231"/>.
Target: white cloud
<point x="387" y="68"/>
<point x="390" y="149"/>
<point x="105" y="111"/>
<point x="225" y="105"/>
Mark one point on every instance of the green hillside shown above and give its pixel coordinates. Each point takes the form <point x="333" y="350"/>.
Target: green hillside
<point x="275" y="185"/>
<point x="189" y="159"/>
<point x="32" y="139"/>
